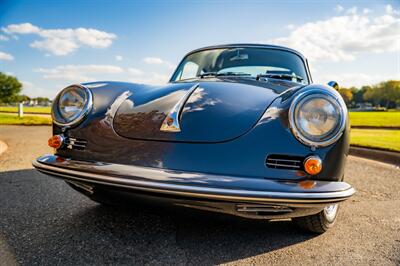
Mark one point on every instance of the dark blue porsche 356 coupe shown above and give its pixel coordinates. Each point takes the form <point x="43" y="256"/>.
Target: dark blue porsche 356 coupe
<point x="239" y="129"/>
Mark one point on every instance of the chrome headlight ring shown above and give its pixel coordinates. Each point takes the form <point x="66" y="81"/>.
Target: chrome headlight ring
<point x="332" y="98"/>
<point x="59" y="119"/>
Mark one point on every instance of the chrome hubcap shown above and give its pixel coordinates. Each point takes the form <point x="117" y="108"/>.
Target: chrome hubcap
<point x="330" y="212"/>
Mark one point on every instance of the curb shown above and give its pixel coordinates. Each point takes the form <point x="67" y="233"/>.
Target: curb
<point x="390" y="157"/>
<point x="3" y="147"/>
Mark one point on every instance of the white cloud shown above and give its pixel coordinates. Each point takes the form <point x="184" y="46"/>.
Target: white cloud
<point x="291" y="27"/>
<point x="135" y="72"/>
<point x="62" y="41"/>
<point x="23" y="28"/>
<point x="84" y="73"/>
<point x="344" y="37"/>
<point x="78" y="73"/>
<point x="354" y="79"/>
<point x="94" y="38"/>
<point x="158" y="61"/>
<point x="366" y="11"/>
<point x="352" y="10"/>
<point x="153" y="60"/>
<point x="3" y="37"/>
<point x="32" y="90"/>
<point x="151" y="79"/>
<point x="339" y="8"/>
<point x="56" y="46"/>
<point x="118" y="57"/>
<point x="389" y="9"/>
<point x="6" y="57"/>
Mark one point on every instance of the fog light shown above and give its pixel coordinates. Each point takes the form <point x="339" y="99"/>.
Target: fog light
<point x="313" y="165"/>
<point x="56" y="141"/>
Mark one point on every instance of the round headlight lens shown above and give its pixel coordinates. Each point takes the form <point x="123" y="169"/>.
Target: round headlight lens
<point x="317" y="119"/>
<point x="72" y="105"/>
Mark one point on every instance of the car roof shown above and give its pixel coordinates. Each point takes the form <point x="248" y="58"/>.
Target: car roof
<point x="248" y="45"/>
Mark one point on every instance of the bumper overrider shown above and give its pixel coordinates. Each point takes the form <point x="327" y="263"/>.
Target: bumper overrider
<point x="243" y="196"/>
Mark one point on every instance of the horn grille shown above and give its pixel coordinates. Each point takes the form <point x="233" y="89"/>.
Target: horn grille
<point x="284" y="162"/>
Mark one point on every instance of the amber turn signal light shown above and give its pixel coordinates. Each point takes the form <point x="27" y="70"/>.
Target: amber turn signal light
<point x="55" y="141"/>
<point x="313" y="165"/>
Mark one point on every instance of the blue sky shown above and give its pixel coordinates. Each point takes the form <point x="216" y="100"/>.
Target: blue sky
<point x="51" y="44"/>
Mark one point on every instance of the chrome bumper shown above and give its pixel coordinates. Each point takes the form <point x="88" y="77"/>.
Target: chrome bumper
<point x="195" y="185"/>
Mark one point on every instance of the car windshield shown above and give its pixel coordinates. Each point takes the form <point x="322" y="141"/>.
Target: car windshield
<point x="251" y="62"/>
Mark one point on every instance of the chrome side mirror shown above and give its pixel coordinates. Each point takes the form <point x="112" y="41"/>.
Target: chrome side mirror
<point x="334" y="85"/>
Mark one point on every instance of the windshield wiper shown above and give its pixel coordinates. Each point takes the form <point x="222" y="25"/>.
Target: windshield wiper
<point x="279" y="76"/>
<point x="206" y="74"/>
<point x="216" y="74"/>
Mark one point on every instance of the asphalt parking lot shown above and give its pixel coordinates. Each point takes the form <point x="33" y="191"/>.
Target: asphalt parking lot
<point x="43" y="221"/>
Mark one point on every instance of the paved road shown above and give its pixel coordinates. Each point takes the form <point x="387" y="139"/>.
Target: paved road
<point x="43" y="221"/>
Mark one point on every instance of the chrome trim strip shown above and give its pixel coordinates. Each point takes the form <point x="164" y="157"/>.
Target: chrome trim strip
<point x="76" y="145"/>
<point x="283" y="165"/>
<point x="171" y="122"/>
<point x="312" y="198"/>
<point x="284" y="160"/>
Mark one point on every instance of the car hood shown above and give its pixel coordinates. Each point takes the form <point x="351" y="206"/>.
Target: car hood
<point x="217" y="110"/>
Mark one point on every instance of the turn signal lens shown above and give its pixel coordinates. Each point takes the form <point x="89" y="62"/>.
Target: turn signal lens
<point x="313" y="165"/>
<point x="55" y="141"/>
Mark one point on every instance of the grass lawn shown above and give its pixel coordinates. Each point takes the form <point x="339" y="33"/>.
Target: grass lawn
<point x="27" y="109"/>
<point x="6" y="119"/>
<point x="376" y="138"/>
<point x="375" y="119"/>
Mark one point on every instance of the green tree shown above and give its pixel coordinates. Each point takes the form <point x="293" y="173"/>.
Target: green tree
<point x="42" y="99"/>
<point x="384" y="94"/>
<point x="371" y="95"/>
<point x="390" y="91"/>
<point x="347" y="95"/>
<point x="358" y="94"/>
<point x="10" y="87"/>
<point x="21" y="98"/>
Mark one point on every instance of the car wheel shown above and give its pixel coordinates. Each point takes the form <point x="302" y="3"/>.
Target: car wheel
<point x="320" y="222"/>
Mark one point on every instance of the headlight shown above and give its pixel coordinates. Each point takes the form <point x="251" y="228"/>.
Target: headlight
<point x="317" y="117"/>
<point x="72" y="105"/>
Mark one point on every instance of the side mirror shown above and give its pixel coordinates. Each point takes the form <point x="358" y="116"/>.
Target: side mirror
<point x="334" y="85"/>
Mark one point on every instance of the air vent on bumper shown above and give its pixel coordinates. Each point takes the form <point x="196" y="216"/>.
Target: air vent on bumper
<point x="285" y="162"/>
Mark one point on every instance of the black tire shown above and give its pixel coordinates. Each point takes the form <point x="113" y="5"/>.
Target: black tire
<point x="318" y="223"/>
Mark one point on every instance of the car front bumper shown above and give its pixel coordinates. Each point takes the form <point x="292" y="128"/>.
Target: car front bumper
<point x="243" y="196"/>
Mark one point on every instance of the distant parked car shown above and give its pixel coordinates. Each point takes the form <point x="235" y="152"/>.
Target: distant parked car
<point x="239" y="129"/>
<point x="364" y="107"/>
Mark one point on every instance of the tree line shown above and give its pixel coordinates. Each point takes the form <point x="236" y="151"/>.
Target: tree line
<point x="385" y="94"/>
<point x="10" y="89"/>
